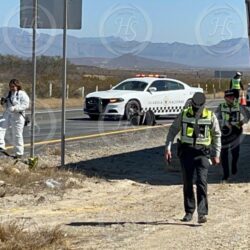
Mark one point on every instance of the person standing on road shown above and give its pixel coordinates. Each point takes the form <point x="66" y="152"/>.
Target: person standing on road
<point x="236" y="84"/>
<point x="200" y="138"/>
<point x="15" y="102"/>
<point x="231" y="116"/>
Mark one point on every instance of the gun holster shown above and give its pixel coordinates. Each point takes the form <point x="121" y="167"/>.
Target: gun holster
<point x="206" y="152"/>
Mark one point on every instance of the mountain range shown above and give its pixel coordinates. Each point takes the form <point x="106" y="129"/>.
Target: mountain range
<point x="112" y="52"/>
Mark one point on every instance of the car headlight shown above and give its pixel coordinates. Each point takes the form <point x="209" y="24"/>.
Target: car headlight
<point x="115" y="100"/>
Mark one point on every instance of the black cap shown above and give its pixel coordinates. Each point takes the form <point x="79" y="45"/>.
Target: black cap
<point x="229" y="92"/>
<point x="198" y="99"/>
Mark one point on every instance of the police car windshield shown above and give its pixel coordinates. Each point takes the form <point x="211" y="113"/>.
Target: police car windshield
<point x="132" y="85"/>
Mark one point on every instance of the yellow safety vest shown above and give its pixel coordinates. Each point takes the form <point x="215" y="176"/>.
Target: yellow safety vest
<point x="230" y="114"/>
<point x="235" y="83"/>
<point x="187" y="127"/>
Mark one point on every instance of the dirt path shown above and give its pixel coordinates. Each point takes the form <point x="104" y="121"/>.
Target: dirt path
<point x="130" y="201"/>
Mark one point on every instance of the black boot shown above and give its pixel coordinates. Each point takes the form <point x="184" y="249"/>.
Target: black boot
<point x="202" y="219"/>
<point x="187" y="217"/>
<point x="234" y="169"/>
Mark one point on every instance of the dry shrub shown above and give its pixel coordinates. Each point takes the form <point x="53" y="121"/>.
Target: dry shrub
<point x="33" y="181"/>
<point x="55" y="151"/>
<point x="14" y="236"/>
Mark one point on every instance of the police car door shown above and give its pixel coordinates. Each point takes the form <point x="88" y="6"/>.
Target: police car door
<point x="175" y="97"/>
<point x="157" y="91"/>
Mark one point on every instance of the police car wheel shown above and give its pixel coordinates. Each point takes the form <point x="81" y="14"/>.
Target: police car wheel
<point x="132" y="108"/>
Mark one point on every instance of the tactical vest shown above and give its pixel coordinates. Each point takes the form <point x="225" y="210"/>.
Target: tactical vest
<point x="188" y="127"/>
<point x="230" y="114"/>
<point x="235" y="83"/>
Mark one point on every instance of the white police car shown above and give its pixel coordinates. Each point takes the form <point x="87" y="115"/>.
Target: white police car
<point x="164" y="96"/>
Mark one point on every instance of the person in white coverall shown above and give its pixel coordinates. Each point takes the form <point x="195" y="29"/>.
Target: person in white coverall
<point x="15" y="102"/>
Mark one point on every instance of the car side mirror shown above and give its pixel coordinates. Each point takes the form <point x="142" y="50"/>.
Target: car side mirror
<point x="152" y="89"/>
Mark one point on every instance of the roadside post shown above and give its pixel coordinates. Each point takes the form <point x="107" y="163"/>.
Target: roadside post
<point x="214" y="91"/>
<point x="67" y="92"/>
<point x="51" y="14"/>
<point x="50" y="89"/>
<point x="83" y="90"/>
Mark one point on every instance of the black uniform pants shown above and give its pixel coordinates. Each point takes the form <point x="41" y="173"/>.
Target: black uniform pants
<point x="232" y="148"/>
<point x="237" y="93"/>
<point x="193" y="160"/>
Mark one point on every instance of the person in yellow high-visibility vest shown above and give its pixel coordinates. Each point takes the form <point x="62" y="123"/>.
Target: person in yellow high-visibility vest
<point x="236" y="84"/>
<point x="231" y="116"/>
<point x="200" y="140"/>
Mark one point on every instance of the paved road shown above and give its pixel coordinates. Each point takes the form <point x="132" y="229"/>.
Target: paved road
<point x="48" y="124"/>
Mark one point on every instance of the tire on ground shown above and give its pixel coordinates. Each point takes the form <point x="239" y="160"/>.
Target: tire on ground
<point x="94" y="117"/>
<point x="149" y="118"/>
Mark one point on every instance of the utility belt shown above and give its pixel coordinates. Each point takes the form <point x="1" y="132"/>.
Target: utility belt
<point x="186" y="147"/>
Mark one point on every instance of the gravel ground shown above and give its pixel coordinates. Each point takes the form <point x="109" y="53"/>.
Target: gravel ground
<point x="130" y="199"/>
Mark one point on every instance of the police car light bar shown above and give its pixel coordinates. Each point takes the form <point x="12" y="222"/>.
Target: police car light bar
<point x="140" y="75"/>
<point x="151" y="75"/>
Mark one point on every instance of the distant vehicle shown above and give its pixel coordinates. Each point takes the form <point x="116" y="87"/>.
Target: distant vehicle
<point x="164" y="96"/>
<point x="248" y="94"/>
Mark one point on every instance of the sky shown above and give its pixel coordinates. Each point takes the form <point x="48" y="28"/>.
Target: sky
<point x="203" y="22"/>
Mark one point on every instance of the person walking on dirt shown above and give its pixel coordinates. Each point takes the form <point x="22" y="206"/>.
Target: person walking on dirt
<point x="236" y="84"/>
<point x="231" y="116"/>
<point x="200" y="138"/>
<point x="15" y="102"/>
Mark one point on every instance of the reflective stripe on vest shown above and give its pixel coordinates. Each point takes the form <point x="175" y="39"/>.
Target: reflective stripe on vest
<point x="204" y="123"/>
<point x="235" y="83"/>
<point x="230" y="114"/>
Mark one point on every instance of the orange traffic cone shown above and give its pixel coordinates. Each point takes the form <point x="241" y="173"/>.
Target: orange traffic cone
<point x="243" y="100"/>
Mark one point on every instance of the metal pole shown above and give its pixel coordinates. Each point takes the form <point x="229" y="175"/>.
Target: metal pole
<point x="32" y="132"/>
<point x="247" y="2"/>
<point x="220" y="81"/>
<point x="64" y="84"/>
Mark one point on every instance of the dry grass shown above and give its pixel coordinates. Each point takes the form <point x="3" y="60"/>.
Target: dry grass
<point x="217" y="95"/>
<point x="21" y="180"/>
<point x="53" y="103"/>
<point x="14" y="236"/>
<point x="54" y="151"/>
